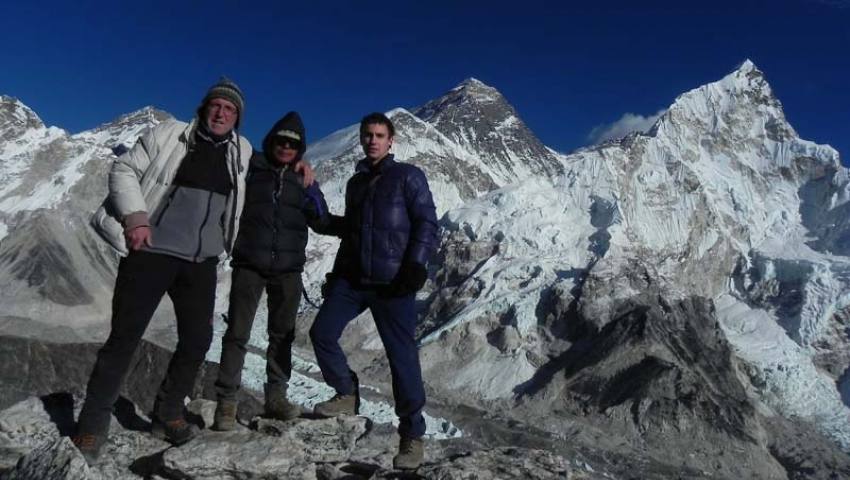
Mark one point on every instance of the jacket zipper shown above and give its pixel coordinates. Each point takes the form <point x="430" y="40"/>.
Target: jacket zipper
<point x="167" y="205"/>
<point x="234" y="178"/>
<point x="370" y="197"/>
<point x="276" y="197"/>
<point x="203" y="225"/>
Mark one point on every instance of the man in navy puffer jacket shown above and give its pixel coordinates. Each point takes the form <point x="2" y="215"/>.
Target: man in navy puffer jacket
<point x="388" y="233"/>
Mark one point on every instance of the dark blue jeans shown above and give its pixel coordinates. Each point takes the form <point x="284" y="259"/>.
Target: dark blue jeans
<point x="395" y="318"/>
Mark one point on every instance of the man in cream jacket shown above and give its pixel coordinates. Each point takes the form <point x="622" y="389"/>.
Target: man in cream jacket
<point x="173" y="208"/>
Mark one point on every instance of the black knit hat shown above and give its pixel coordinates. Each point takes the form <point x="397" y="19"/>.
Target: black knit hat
<point x="228" y="90"/>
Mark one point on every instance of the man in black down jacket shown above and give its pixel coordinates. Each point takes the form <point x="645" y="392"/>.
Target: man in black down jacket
<point x="269" y="254"/>
<point x="388" y="233"/>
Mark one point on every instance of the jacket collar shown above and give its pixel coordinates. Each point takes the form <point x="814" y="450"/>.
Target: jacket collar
<point x="365" y="165"/>
<point x="234" y="157"/>
<point x="260" y="161"/>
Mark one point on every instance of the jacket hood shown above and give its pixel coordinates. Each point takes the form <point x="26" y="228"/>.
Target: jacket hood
<point x="291" y="122"/>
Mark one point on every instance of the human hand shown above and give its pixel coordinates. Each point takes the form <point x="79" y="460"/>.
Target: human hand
<point x="138" y="237"/>
<point x="410" y="279"/>
<point x="327" y="284"/>
<point x="307" y="170"/>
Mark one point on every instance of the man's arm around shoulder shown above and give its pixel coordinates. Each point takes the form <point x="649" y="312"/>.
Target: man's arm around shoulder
<point x="319" y="218"/>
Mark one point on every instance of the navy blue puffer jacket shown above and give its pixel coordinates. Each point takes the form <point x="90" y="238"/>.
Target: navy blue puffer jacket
<point x="389" y="219"/>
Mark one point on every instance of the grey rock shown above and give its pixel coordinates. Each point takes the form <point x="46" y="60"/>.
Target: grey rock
<point x="239" y="454"/>
<point x="204" y="409"/>
<point x="274" y="449"/>
<point x="16" y="118"/>
<point x="323" y="440"/>
<point x="57" y="460"/>
<point x="304" y="448"/>
<point x="501" y="463"/>
<point x="35" y="443"/>
<point x="35" y="367"/>
<point x="664" y="376"/>
<point x="804" y="453"/>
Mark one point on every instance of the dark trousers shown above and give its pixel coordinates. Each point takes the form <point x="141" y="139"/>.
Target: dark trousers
<point x="284" y="295"/>
<point x="143" y="278"/>
<point x="395" y="318"/>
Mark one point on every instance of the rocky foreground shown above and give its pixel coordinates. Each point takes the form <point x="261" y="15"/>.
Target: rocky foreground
<point x="34" y="444"/>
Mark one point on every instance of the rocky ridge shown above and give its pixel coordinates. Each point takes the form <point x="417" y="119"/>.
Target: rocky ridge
<point x="34" y="444"/>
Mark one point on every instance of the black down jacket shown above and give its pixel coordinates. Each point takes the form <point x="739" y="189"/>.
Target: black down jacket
<point x="278" y="209"/>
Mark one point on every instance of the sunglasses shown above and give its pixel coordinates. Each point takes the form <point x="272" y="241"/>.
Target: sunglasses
<point x="288" y="143"/>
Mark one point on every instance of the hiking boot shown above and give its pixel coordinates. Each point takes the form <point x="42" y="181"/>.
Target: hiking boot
<point x="277" y="406"/>
<point x="176" y="432"/>
<point x="411" y="453"/>
<point x="338" y="405"/>
<point x="225" y="415"/>
<point x="89" y="446"/>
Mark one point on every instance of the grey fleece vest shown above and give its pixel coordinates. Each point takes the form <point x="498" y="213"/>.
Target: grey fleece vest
<point x="188" y="224"/>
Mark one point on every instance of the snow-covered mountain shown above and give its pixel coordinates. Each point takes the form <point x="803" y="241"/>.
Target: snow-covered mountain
<point x="478" y="118"/>
<point x="455" y="174"/>
<point x="53" y="268"/>
<point x="675" y="294"/>
<point x="41" y="165"/>
<point x="720" y="200"/>
<point x="469" y="141"/>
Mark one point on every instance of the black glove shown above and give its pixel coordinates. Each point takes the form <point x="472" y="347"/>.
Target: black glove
<point x="328" y="283"/>
<point x="409" y="279"/>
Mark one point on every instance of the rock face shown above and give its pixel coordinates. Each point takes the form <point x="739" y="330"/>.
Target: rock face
<point x="662" y="373"/>
<point x="34" y="444"/>
<point x="34" y="366"/>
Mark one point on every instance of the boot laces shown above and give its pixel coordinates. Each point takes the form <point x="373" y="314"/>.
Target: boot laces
<point x="228" y="408"/>
<point x="86" y="441"/>
<point x="406" y="445"/>
<point x="339" y="398"/>
<point x="176" y="424"/>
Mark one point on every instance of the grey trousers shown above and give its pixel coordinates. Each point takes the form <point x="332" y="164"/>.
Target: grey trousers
<point x="284" y="295"/>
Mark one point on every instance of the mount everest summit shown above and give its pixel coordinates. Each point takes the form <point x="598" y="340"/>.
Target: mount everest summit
<point x="677" y="299"/>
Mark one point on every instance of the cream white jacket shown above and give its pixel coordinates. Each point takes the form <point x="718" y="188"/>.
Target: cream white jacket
<point x="141" y="178"/>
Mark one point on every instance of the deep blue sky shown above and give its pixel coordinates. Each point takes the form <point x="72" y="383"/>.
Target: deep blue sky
<point x="566" y="68"/>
